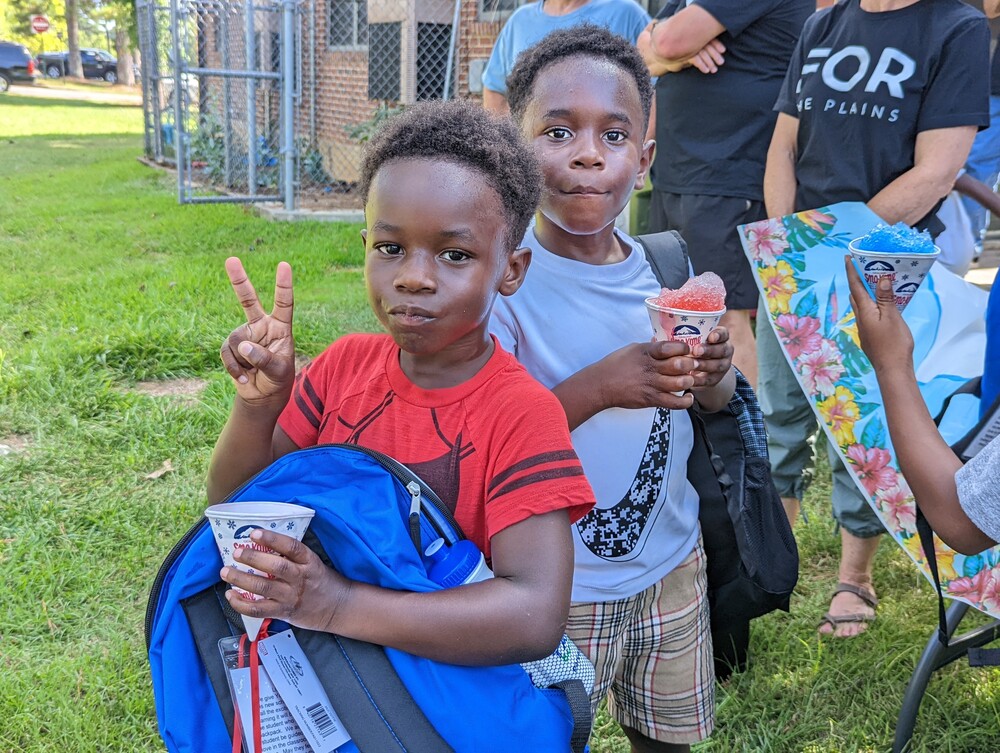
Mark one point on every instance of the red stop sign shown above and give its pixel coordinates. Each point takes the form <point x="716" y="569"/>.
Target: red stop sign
<point x="39" y="24"/>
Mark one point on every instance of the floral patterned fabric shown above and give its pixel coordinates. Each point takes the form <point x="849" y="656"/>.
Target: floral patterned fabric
<point x="799" y="264"/>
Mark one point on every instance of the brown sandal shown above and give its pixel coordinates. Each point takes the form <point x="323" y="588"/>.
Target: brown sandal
<point x="864" y="594"/>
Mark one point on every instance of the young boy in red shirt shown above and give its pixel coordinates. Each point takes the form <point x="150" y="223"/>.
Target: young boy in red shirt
<point x="448" y="191"/>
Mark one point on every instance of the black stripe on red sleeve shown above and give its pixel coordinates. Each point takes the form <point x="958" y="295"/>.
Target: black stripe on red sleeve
<point x="538" y="477"/>
<point x="542" y="459"/>
<point x="310" y="392"/>
<point x="304" y="408"/>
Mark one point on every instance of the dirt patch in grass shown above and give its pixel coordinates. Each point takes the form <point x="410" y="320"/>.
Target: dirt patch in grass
<point x="14" y="443"/>
<point x="182" y="391"/>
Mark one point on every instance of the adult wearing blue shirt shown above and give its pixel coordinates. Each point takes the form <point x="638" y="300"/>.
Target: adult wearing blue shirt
<point x="983" y="163"/>
<point x="881" y="103"/>
<point x="720" y="65"/>
<point x="529" y="23"/>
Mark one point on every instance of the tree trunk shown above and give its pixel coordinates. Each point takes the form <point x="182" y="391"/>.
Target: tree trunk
<point x="123" y="50"/>
<point x="73" y="38"/>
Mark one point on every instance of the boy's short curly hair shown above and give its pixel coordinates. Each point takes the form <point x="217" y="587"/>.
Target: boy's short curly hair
<point x="584" y="40"/>
<point x="462" y="132"/>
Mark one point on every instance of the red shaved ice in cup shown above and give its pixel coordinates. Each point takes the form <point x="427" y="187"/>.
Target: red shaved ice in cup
<point x="899" y="252"/>
<point x="689" y="313"/>
<point x="233" y="522"/>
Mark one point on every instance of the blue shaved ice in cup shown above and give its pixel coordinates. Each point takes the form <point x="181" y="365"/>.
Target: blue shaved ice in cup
<point x="898" y="251"/>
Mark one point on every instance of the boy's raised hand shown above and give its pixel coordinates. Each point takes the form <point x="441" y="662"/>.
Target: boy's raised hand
<point x="260" y="355"/>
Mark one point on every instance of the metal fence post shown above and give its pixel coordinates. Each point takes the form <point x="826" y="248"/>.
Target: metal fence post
<point x="178" y="112"/>
<point x="288" y="99"/>
<point x="453" y="39"/>
<point x="251" y="59"/>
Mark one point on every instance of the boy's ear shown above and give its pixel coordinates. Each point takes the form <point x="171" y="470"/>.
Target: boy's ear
<point x="364" y="239"/>
<point x="645" y="160"/>
<point x="518" y="262"/>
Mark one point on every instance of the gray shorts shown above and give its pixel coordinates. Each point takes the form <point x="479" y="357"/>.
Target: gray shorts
<point x="708" y="224"/>
<point x="791" y="430"/>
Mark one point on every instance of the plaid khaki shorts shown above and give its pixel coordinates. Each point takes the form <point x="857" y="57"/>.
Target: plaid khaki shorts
<point x="653" y="654"/>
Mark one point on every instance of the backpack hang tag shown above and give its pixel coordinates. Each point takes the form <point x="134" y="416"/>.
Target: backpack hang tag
<point x="279" y="732"/>
<point x="295" y="681"/>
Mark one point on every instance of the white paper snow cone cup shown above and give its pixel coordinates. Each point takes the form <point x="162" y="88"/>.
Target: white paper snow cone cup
<point x="905" y="270"/>
<point x="678" y="325"/>
<point x="691" y="327"/>
<point x="233" y="522"/>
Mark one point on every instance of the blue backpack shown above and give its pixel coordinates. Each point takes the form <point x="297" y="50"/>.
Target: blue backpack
<point x="373" y="519"/>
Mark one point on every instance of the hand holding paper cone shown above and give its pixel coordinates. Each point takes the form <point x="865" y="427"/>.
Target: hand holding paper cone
<point x="236" y="527"/>
<point x="290" y="583"/>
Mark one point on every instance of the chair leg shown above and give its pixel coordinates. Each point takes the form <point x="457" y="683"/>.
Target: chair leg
<point x="935" y="656"/>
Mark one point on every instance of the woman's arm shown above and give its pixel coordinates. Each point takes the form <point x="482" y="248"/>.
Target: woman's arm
<point x="938" y="156"/>
<point x="779" y="172"/>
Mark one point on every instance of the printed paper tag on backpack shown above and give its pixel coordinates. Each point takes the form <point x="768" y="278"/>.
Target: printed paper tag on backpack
<point x="295" y="681"/>
<point x="279" y="731"/>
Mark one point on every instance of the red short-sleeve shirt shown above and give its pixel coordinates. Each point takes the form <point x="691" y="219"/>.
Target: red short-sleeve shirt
<point x="495" y="448"/>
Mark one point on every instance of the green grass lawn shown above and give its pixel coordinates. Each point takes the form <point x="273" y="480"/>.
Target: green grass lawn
<point x="106" y="284"/>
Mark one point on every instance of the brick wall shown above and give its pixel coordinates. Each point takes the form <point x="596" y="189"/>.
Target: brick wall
<point x="475" y="41"/>
<point x="336" y="97"/>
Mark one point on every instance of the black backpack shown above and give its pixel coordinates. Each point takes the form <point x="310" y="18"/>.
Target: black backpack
<point x="753" y="561"/>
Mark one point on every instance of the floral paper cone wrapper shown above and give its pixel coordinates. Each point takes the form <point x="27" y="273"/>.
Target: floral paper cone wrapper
<point x="233" y="522"/>
<point x="906" y="271"/>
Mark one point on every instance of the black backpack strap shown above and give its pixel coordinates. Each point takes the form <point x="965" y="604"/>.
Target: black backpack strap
<point x="667" y="254"/>
<point x="579" y="707"/>
<point x="369" y="697"/>
<point x="208" y="622"/>
<point x="376" y="708"/>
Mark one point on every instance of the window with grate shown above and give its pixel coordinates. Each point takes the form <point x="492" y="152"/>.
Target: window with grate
<point x="348" y="23"/>
<point x="497" y="10"/>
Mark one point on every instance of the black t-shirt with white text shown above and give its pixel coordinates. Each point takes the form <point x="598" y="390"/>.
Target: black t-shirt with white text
<point x="713" y="130"/>
<point x="863" y="85"/>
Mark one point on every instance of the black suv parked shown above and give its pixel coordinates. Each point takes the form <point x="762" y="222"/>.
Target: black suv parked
<point x="16" y="65"/>
<point x="96" y="64"/>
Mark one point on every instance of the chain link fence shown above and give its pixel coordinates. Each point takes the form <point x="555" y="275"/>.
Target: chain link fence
<point x="273" y="101"/>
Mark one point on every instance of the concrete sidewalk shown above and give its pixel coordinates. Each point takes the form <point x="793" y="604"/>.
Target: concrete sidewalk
<point x="119" y="95"/>
<point x="984" y="271"/>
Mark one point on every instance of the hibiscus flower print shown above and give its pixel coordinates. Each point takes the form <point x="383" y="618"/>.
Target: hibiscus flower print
<point x="898" y="507"/>
<point x="840" y="412"/>
<point x="990" y="593"/>
<point x="779" y="286"/>
<point x="821" y="369"/>
<point x="971" y="588"/>
<point x="872" y="467"/>
<point x="766" y="240"/>
<point x="799" y="334"/>
<point x="816" y="219"/>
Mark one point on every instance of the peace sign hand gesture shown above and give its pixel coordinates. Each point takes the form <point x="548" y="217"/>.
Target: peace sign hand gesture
<point x="260" y="355"/>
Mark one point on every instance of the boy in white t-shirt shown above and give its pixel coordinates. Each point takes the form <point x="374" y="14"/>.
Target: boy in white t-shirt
<point x="579" y="325"/>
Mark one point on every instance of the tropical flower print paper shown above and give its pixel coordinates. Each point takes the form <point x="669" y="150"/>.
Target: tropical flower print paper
<point x="799" y="264"/>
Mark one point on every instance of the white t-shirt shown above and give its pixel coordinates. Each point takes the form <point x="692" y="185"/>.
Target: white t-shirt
<point x="566" y="316"/>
